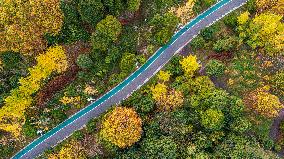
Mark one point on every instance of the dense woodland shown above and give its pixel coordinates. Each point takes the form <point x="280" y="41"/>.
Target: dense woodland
<point x="217" y="98"/>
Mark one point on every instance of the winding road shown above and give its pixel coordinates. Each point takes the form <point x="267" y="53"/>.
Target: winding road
<point x="132" y="82"/>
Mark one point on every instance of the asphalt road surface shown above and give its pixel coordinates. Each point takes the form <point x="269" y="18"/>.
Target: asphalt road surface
<point x="132" y="83"/>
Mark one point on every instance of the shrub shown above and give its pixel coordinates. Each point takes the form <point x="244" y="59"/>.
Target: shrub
<point x="84" y="61"/>
<point x="122" y="127"/>
<point x="164" y="148"/>
<point x="91" y="11"/>
<point x="212" y="119"/>
<point x="215" y="68"/>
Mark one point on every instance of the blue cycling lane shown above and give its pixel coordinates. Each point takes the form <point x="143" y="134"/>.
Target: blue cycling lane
<point x="122" y="84"/>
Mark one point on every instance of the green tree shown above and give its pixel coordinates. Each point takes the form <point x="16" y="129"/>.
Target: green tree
<point x="113" y="6"/>
<point x="127" y="63"/>
<point x="163" y="148"/>
<point x="212" y="119"/>
<point x="163" y="27"/>
<point x="133" y="5"/>
<point x="107" y="31"/>
<point x="227" y="44"/>
<point x="215" y="68"/>
<point x="84" y="61"/>
<point x="91" y="11"/>
<point x="197" y="43"/>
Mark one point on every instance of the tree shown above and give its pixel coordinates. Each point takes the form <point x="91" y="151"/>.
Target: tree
<point x="189" y="65"/>
<point x="72" y="150"/>
<point x="215" y="68"/>
<point x="91" y="11"/>
<point x="107" y="31"/>
<point x="163" y="148"/>
<point x="164" y="76"/>
<point x="127" y="63"/>
<point x="24" y="23"/>
<point x="163" y="27"/>
<point x="264" y="103"/>
<point x="197" y="43"/>
<point x="54" y="60"/>
<point x="166" y="100"/>
<point x="84" y="61"/>
<point x="277" y="83"/>
<point x="122" y="127"/>
<point x="212" y="119"/>
<point x="275" y="6"/>
<point x="113" y="6"/>
<point x="264" y="31"/>
<point x="227" y="44"/>
<point x="133" y="5"/>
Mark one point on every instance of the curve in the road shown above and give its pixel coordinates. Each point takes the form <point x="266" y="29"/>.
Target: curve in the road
<point x="132" y="82"/>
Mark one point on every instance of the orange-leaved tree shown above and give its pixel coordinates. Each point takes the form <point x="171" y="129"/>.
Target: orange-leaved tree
<point x="122" y="127"/>
<point x="24" y="23"/>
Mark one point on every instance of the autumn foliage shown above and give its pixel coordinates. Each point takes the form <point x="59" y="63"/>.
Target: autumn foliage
<point x="264" y="103"/>
<point x="166" y="100"/>
<point x="72" y="150"/>
<point x="266" y="31"/>
<point x="24" y="23"/>
<point x="122" y="127"/>
<point x="54" y="60"/>
<point x="189" y="65"/>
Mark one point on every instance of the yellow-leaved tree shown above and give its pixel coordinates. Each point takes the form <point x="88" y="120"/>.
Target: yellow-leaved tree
<point x="12" y="113"/>
<point x="122" y="127"/>
<point x="263" y="31"/>
<point x="189" y="65"/>
<point x="166" y="100"/>
<point x="164" y="76"/>
<point x="264" y="103"/>
<point x="72" y="150"/>
<point x="24" y="23"/>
